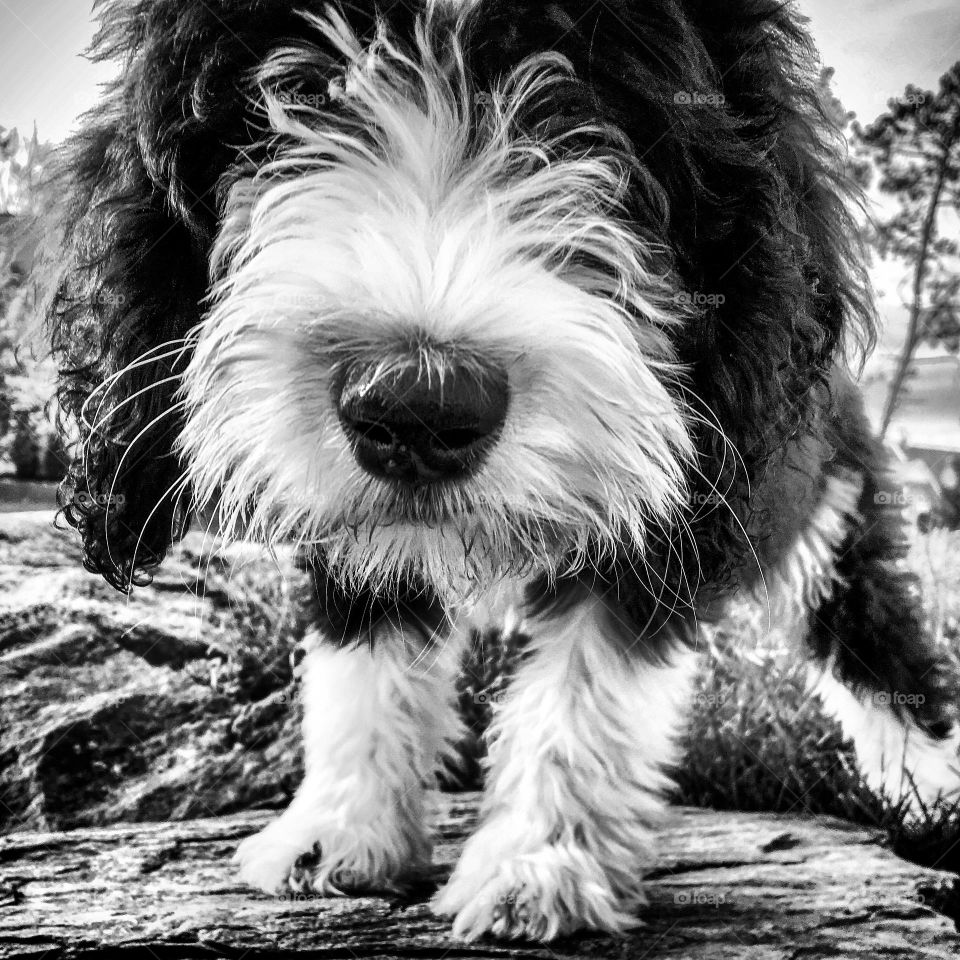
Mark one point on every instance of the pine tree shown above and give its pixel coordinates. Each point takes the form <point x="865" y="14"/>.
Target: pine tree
<point x="915" y="147"/>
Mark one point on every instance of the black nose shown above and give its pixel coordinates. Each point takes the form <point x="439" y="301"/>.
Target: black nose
<point x="422" y="426"/>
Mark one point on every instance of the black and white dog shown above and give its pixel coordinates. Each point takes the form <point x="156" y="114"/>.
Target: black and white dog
<point x="472" y="299"/>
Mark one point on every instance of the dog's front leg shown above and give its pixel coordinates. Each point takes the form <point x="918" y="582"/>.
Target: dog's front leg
<point x="379" y="719"/>
<point x="576" y="775"/>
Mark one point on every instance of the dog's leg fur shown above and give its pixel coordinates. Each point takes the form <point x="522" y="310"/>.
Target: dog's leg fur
<point x="379" y="719"/>
<point x="876" y="668"/>
<point x="574" y="785"/>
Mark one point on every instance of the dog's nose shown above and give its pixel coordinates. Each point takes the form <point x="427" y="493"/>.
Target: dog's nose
<point x="420" y="425"/>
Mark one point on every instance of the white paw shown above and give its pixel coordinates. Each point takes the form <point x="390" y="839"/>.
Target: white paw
<point x="267" y="858"/>
<point x="358" y="855"/>
<point x="540" y="895"/>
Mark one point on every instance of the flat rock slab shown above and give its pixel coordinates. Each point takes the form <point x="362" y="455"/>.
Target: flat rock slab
<point x="728" y="885"/>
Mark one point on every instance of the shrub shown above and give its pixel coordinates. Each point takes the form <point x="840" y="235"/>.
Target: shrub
<point x="25" y="447"/>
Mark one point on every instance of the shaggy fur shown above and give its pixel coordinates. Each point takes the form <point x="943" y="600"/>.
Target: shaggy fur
<point x="631" y="215"/>
<point x="603" y="723"/>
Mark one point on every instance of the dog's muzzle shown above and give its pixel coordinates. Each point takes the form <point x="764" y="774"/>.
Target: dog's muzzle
<point x="421" y="426"/>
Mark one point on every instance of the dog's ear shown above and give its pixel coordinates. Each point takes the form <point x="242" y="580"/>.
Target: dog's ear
<point x="129" y="284"/>
<point x="779" y="256"/>
<point x="127" y="273"/>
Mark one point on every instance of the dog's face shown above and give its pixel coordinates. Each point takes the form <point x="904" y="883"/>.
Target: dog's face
<point x="451" y="290"/>
<point x="435" y="345"/>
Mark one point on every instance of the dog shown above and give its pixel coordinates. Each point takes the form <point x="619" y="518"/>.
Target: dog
<point x="490" y="305"/>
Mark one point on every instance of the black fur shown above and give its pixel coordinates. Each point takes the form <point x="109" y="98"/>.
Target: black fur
<point x="746" y="196"/>
<point x="349" y="618"/>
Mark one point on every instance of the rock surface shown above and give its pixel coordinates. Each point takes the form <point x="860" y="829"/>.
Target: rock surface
<point x="175" y="702"/>
<point x="745" y="886"/>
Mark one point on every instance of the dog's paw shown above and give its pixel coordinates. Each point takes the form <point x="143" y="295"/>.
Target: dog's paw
<point x="308" y="854"/>
<point x="267" y="859"/>
<point x="538" y="896"/>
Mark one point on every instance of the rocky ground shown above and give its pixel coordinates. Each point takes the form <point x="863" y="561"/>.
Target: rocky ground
<point x="726" y="886"/>
<point x="172" y="703"/>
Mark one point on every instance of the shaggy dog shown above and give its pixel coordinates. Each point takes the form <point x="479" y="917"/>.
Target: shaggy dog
<point x="483" y="303"/>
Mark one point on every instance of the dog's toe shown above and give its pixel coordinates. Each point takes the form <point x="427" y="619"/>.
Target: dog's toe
<point x="307" y="855"/>
<point x="511" y="913"/>
<point x="267" y="859"/>
<point x="514" y="903"/>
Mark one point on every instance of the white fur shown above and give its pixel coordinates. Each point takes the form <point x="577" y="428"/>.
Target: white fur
<point x="416" y="213"/>
<point x="377" y="725"/>
<point x="415" y="222"/>
<point x="574" y="788"/>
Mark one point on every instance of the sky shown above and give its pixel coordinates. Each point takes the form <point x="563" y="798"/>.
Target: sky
<point x="44" y="78"/>
<point x="879" y="46"/>
<point x="876" y="46"/>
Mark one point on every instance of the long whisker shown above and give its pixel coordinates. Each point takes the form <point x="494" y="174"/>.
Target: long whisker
<point x="179" y="485"/>
<point x="93" y="428"/>
<point x="172" y="409"/>
<point x="145" y="358"/>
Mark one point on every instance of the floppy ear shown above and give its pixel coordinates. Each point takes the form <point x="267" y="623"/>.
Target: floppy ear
<point x="130" y="286"/>
<point x="137" y="186"/>
<point x="782" y="250"/>
<point x="142" y="184"/>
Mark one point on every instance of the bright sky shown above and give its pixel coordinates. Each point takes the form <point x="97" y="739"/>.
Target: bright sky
<point x="44" y="77"/>
<point x="879" y="46"/>
<point x="876" y="46"/>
